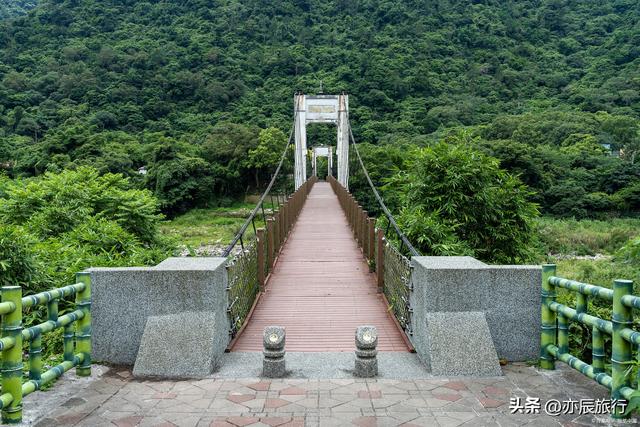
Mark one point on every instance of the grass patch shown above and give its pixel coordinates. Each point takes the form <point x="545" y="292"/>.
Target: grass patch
<point x="212" y="226"/>
<point x="586" y="237"/>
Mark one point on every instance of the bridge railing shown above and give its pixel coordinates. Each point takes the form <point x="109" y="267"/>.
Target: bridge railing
<point x="249" y="269"/>
<point x="392" y="268"/>
<point x="554" y="340"/>
<point x="76" y="341"/>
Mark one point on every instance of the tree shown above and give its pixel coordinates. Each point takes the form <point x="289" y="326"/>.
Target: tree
<point x="265" y="157"/>
<point x="456" y="200"/>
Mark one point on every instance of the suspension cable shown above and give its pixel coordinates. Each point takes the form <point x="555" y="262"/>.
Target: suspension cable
<point x="240" y="233"/>
<point x="387" y="213"/>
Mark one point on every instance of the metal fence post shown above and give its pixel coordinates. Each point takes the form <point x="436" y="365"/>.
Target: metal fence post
<point x="83" y="331"/>
<point x="622" y="317"/>
<point x="260" y="241"/>
<point x="371" y="233"/>
<point x="548" y="333"/>
<point x="285" y="219"/>
<point x="270" y="248"/>
<point x="380" y="260"/>
<point x="12" y="357"/>
<point x="360" y="226"/>
<point x="276" y="231"/>
<point x="282" y="233"/>
<point x="365" y="234"/>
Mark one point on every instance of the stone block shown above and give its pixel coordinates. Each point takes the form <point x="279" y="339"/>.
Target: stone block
<point x="178" y="346"/>
<point x="123" y="299"/>
<point x="508" y="295"/>
<point x="459" y="343"/>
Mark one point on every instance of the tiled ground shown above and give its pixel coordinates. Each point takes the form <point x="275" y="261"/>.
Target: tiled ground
<point x="117" y="399"/>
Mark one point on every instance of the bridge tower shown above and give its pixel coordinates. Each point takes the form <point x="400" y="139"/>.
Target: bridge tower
<point x="329" y="109"/>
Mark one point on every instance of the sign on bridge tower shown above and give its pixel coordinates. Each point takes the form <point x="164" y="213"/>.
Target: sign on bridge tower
<point x="330" y="109"/>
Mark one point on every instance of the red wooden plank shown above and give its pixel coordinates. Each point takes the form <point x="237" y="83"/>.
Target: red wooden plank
<point x="320" y="289"/>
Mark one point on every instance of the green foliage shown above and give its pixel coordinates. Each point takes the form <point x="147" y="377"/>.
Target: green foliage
<point x="630" y="253"/>
<point x="55" y="225"/>
<point x="54" y="204"/>
<point x="456" y="200"/>
<point x="17" y="263"/>
<point x="12" y="8"/>
<point x="105" y="83"/>
<point x="585" y="237"/>
<point x="562" y="157"/>
<point x="265" y="157"/>
<point x="381" y="161"/>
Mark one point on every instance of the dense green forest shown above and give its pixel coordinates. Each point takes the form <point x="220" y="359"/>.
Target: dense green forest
<point x="183" y="88"/>
<point x="11" y="8"/>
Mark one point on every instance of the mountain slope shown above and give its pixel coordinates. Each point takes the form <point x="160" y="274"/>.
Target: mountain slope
<point x="11" y="8"/>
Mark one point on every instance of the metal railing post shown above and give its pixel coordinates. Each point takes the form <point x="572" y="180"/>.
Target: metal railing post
<point x="283" y="232"/>
<point x="260" y="241"/>
<point x="621" y="318"/>
<point x="270" y="245"/>
<point x="365" y="234"/>
<point x="360" y="221"/>
<point x="83" y="328"/>
<point x="380" y="260"/>
<point x="285" y="219"/>
<point x="12" y="357"/>
<point x="371" y="231"/>
<point x="276" y="231"/>
<point x="548" y="317"/>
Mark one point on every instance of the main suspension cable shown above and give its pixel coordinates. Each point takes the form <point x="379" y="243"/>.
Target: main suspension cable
<point x="387" y="213"/>
<point x="249" y="220"/>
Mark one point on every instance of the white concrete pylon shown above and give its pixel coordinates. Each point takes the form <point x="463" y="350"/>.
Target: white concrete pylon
<point x="343" y="140"/>
<point x="300" y="159"/>
<point x="327" y="109"/>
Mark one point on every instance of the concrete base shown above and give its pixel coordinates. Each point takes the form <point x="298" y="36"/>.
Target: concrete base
<point x="366" y="367"/>
<point x="460" y="344"/>
<point x="274" y="367"/>
<point x="123" y="299"/>
<point x="178" y="346"/>
<point x="509" y="296"/>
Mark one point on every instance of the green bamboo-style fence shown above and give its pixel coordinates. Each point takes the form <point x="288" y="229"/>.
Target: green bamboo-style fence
<point x="248" y="270"/>
<point x="76" y="341"/>
<point x="393" y="270"/>
<point x="554" y="339"/>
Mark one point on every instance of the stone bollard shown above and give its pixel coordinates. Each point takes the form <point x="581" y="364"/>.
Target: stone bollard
<point x="366" y="353"/>
<point x="273" y="365"/>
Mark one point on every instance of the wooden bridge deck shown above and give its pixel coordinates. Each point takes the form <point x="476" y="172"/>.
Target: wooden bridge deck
<point x="321" y="289"/>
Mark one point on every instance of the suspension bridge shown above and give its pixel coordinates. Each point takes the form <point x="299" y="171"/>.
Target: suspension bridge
<point x="319" y="286"/>
<point x="318" y="270"/>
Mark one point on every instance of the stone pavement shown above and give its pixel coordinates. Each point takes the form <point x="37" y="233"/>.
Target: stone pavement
<point x="117" y="399"/>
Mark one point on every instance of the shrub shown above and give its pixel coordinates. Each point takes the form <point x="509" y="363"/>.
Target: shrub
<point x="17" y="263"/>
<point x="57" y="203"/>
<point x="457" y="201"/>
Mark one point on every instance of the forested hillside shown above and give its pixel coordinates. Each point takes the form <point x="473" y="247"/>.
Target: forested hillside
<point x="11" y="8"/>
<point x="183" y="88"/>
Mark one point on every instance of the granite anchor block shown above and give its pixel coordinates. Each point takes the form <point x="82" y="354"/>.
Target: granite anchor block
<point x="123" y="299"/>
<point x="178" y="346"/>
<point x="460" y="344"/>
<point x="509" y="296"/>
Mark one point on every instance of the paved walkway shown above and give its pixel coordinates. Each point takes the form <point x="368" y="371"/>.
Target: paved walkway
<point x="116" y="399"/>
<point x="321" y="289"/>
